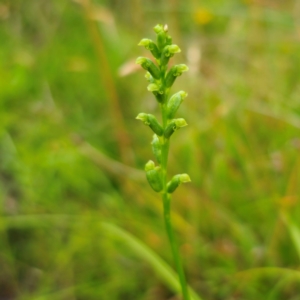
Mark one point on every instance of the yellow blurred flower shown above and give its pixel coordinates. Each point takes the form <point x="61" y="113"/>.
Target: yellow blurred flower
<point x="203" y="16"/>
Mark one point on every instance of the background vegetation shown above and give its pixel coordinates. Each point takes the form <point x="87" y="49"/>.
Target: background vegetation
<point x="72" y="154"/>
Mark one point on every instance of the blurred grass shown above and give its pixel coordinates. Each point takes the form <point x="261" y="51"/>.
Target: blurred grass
<point x="69" y="145"/>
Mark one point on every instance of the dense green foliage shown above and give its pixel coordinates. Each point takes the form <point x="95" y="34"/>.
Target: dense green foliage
<point x="72" y="154"/>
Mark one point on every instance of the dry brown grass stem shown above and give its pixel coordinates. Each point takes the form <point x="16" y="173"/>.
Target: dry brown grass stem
<point x="108" y="83"/>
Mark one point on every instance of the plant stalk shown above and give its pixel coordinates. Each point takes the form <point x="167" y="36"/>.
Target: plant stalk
<point x="166" y="197"/>
<point x="176" y="256"/>
<point x="161" y="80"/>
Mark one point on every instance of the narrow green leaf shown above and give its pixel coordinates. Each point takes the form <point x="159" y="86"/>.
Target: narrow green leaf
<point x="163" y="270"/>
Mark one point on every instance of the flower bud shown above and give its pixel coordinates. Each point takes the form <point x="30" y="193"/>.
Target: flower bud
<point x="157" y="91"/>
<point x="176" y="181"/>
<point x="150" y="165"/>
<point x="174" y="72"/>
<point x="174" y="103"/>
<point x="149" y="77"/>
<point x="168" y="40"/>
<point x="153" y="175"/>
<point x="174" y="125"/>
<point x="154" y="125"/>
<point x="149" y="66"/>
<point x="153" y="87"/>
<point x="159" y="97"/>
<point x="158" y="28"/>
<point x="161" y="35"/>
<point x="150" y="45"/>
<point x="168" y="52"/>
<point x="156" y="148"/>
<point x="152" y="122"/>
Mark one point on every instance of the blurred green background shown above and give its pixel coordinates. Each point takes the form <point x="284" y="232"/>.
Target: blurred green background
<point x="72" y="153"/>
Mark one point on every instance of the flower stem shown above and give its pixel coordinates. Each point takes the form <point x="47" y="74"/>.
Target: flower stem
<point x="166" y="197"/>
<point x="176" y="256"/>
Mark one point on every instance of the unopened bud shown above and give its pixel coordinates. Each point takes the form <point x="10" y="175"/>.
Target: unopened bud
<point x="150" y="45"/>
<point x="153" y="175"/>
<point x="160" y="97"/>
<point x="158" y="28"/>
<point x="173" y="126"/>
<point x="171" y="50"/>
<point x="150" y="165"/>
<point x="176" y="181"/>
<point x="153" y="87"/>
<point x="161" y="36"/>
<point x="174" y="103"/>
<point x="156" y="148"/>
<point x="152" y="122"/>
<point x="149" y="66"/>
<point x="168" y="40"/>
<point x="156" y="90"/>
<point x="174" y="72"/>
<point x="149" y="77"/>
<point x="168" y="52"/>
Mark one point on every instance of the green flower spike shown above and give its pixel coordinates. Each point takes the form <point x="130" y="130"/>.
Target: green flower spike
<point x="160" y="81"/>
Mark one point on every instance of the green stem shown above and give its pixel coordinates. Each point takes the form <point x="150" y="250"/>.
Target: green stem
<point x="167" y="217"/>
<point x="167" y="211"/>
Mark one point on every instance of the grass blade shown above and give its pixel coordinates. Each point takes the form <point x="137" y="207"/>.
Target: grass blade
<point x="163" y="270"/>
